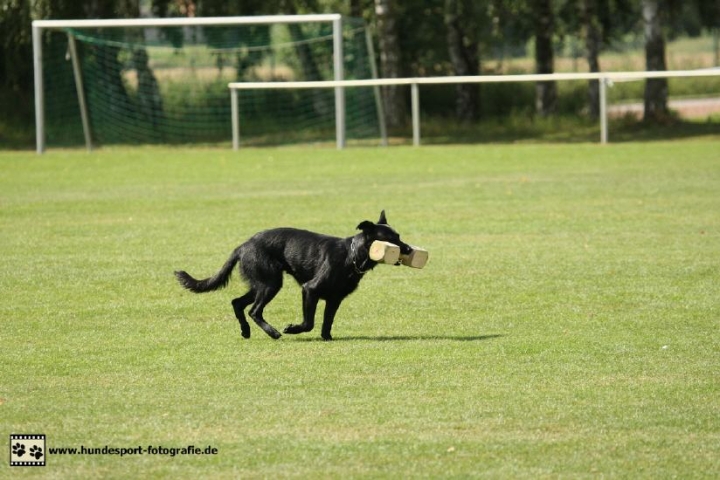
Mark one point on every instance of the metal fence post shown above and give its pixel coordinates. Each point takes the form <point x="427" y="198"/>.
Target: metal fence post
<point x="339" y="91"/>
<point x="415" y="100"/>
<point x="235" y="112"/>
<point x="39" y="93"/>
<point x="602" y="83"/>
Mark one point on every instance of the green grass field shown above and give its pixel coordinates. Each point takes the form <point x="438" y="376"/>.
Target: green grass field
<point x="566" y="325"/>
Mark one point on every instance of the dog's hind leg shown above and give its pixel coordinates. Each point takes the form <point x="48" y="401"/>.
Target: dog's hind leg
<point x="265" y="277"/>
<point x="239" y="305"/>
<point x="309" y="301"/>
<point x="264" y="296"/>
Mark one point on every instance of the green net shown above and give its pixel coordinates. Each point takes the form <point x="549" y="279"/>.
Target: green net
<point x="169" y="85"/>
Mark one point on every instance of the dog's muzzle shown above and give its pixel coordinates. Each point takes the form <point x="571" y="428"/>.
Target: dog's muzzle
<point x="404" y="250"/>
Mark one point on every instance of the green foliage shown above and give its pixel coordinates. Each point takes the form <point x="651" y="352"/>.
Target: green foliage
<point x="502" y="28"/>
<point x="565" y="325"/>
<point x="15" y="46"/>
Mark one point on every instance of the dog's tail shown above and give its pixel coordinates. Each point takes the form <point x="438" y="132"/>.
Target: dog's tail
<point x="216" y="282"/>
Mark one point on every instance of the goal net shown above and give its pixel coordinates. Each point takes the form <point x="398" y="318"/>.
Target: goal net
<point x="169" y="84"/>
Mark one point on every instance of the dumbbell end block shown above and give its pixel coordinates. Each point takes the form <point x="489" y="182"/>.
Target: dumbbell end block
<point x="415" y="259"/>
<point x="384" y="252"/>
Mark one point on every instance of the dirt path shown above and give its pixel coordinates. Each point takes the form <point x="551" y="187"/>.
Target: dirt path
<point x="687" y="108"/>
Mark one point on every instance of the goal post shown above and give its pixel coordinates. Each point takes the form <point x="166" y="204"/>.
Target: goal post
<point x="132" y="55"/>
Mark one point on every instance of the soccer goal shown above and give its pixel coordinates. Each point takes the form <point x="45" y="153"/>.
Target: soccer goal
<point x="164" y="80"/>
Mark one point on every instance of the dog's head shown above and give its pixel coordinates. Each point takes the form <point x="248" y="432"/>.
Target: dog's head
<point x="384" y="232"/>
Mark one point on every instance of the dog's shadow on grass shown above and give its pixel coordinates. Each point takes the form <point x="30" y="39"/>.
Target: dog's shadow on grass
<point x="406" y="338"/>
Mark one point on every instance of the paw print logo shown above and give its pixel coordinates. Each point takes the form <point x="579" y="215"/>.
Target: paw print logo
<point x="36" y="452"/>
<point x="18" y="450"/>
<point x="27" y="450"/>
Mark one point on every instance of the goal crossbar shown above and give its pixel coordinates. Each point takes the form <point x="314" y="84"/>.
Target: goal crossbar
<point x="185" y="21"/>
<point x="604" y="78"/>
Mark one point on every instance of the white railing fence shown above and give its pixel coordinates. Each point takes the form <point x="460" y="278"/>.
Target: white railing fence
<point x="605" y="79"/>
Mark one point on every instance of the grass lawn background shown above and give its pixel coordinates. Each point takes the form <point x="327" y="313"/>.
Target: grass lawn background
<point x="565" y="326"/>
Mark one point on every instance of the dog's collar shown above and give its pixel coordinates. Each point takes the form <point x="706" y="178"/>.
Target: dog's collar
<point x="359" y="270"/>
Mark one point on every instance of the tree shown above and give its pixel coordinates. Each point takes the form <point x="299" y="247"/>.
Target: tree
<point x="356" y="8"/>
<point x="545" y="92"/>
<point x="597" y="23"/>
<point x="463" y="49"/>
<point x="310" y="69"/>
<point x="709" y="13"/>
<point x="656" y="89"/>
<point x="148" y="93"/>
<point x="390" y="61"/>
<point x="15" y="48"/>
<point x="591" y="32"/>
<point x="107" y="57"/>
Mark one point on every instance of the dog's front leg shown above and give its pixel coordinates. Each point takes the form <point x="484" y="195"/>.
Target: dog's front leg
<point x="331" y="308"/>
<point x="310" y="301"/>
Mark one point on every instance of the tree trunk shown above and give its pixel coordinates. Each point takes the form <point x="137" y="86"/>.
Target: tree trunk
<point x="716" y="33"/>
<point x="321" y="98"/>
<point x="464" y="58"/>
<point x="111" y="89"/>
<point x="393" y="96"/>
<point x="148" y="92"/>
<point x="111" y="8"/>
<point x="593" y="39"/>
<point x="311" y="72"/>
<point x="656" y="89"/>
<point x="356" y="9"/>
<point x="15" y="47"/>
<point x="545" y="92"/>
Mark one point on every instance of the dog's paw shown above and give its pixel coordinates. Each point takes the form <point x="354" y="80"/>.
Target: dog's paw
<point x="327" y="338"/>
<point x="245" y="330"/>
<point x="294" y="329"/>
<point x="274" y="334"/>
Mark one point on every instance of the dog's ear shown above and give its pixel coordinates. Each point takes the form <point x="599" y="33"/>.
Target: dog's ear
<point x="383" y="219"/>
<point x="366" y="225"/>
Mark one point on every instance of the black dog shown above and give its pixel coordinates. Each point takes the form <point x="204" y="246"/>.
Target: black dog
<point x="328" y="268"/>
